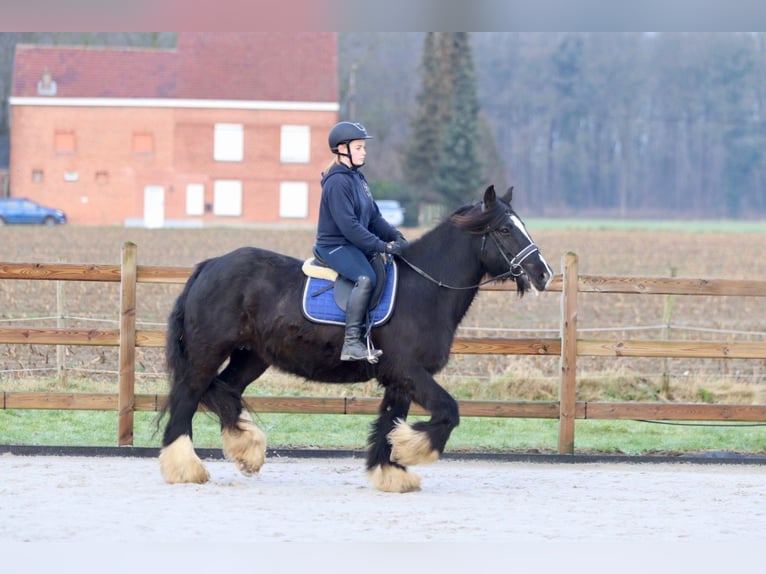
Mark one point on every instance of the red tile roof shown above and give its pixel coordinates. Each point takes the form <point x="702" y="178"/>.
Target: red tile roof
<point x="97" y="72"/>
<point x="297" y="66"/>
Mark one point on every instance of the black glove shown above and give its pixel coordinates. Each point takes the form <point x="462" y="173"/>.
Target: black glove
<point x="401" y="240"/>
<point x="394" y="248"/>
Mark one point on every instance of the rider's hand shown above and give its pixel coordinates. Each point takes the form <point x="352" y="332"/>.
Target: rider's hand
<point x="393" y="248"/>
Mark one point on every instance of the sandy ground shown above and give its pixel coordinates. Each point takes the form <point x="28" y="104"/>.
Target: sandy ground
<point x="115" y="499"/>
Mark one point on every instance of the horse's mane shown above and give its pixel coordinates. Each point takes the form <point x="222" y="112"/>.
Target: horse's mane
<point x="477" y="218"/>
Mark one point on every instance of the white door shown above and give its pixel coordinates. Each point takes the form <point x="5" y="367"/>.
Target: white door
<point x="154" y="206"/>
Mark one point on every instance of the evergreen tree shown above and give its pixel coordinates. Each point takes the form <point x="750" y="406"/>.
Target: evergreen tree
<point x="457" y="173"/>
<point x="572" y="103"/>
<point x="742" y="152"/>
<point x="422" y="150"/>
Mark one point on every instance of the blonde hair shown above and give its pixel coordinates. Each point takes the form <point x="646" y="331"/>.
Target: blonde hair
<point x="333" y="162"/>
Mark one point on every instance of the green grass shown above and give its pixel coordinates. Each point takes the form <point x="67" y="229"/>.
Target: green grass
<point x="691" y="226"/>
<point x="81" y="428"/>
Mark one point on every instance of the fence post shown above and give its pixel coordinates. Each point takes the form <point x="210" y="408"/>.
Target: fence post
<point x="60" y="324"/>
<point x="567" y="384"/>
<point x="667" y="317"/>
<point x="126" y="396"/>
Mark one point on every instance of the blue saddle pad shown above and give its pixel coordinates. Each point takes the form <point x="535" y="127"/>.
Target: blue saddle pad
<point x="320" y="306"/>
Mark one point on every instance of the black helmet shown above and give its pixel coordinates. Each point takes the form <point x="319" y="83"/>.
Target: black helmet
<point x="344" y="132"/>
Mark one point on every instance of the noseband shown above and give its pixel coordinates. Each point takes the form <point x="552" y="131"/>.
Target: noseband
<point x="514" y="265"/>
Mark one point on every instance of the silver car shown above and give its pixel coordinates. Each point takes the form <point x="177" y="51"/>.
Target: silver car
<point x="391" y="210"/>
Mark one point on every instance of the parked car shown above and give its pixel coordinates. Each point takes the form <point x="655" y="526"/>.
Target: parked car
<point x="21" y="210"/>
<point x="391" y="210"/>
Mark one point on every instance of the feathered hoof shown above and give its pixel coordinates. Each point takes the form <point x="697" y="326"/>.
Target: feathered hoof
<point x="246" y="447"/>
<point x="393" y="479"/>
<point x="410" y="447"/>
<point x="179" y="463"/>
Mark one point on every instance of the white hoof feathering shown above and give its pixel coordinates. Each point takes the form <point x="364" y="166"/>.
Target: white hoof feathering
<point x="179" y="463"/>
<point x="393" y="479"/>
<point x="246" y="446"/>
<point x="410" y="447"/>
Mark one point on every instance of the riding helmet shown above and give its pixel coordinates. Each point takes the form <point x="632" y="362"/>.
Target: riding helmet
<point x="344" y="132"/>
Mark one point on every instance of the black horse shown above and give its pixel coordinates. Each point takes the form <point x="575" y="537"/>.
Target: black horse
<point x="241" y="313"/>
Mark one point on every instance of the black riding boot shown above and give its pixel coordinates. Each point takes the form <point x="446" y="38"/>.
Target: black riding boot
<point x="354" y="347"/>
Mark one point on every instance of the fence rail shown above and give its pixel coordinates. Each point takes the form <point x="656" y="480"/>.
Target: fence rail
<point x="567" y="346"/>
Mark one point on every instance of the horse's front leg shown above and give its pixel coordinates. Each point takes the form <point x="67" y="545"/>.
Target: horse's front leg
<point x="424" y="441"/>
<point x="383" y="473"/>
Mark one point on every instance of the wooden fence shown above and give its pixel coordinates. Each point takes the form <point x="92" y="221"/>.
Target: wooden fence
<point x="568" y="346"/>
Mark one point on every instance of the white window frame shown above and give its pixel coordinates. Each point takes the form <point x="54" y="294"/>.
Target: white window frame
<point x="229" y="144"/>
<point x="227" y="197"/>
<point x="294" y="199"/>
<point x="295" y="144"/>
<point x="195" y="199"/>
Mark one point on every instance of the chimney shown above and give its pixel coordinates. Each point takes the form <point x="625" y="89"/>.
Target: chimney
<point x="46" y="86"/>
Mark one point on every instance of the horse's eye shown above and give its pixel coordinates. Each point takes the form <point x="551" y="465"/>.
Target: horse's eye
<point x="505" y="230"/>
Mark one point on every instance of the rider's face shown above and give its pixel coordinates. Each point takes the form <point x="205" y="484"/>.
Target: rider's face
<point x="358" y="151"/>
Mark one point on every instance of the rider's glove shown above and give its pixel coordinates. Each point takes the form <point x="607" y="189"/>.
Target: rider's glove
<point x="394" y="248"/>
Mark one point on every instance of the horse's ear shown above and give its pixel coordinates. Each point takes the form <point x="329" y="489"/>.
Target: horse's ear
<point x="508" y="195"/>
<point x="489" y="196"/>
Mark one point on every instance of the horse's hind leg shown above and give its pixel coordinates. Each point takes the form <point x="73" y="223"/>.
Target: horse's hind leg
<point x="243" y="442"/>
<point x="382" y="473"/>
<point x="178" y="461"/>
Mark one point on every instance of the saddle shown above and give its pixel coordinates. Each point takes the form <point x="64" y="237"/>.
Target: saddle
<point x="326" y="293"/>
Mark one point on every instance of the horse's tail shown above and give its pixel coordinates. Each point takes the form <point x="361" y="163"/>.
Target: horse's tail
<point x="176" y="359"/>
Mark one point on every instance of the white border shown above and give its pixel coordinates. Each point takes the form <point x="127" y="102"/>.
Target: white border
<point x="176" y="103"/>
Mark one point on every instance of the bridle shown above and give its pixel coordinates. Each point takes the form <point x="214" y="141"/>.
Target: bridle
<point x="514" y="263"/>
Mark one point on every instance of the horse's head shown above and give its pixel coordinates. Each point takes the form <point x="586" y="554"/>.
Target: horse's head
<point x="507" y="250"/>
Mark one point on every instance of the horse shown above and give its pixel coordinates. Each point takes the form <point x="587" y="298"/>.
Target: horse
<point x="240" y="313"/>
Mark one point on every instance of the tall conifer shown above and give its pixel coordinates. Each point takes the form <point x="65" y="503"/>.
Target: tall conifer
<point x="457" y="173"/>
<point x="422" y="151"/>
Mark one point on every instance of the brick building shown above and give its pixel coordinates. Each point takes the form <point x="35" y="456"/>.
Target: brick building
<point x="227" y="128"/>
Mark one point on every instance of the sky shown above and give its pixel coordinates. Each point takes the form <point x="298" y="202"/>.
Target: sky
<point x="390" y="15"/>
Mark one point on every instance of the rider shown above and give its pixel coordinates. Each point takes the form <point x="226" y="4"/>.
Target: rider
<point x="351" y="230"/>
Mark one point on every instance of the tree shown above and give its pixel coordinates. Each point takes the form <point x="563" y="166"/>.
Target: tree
<point x="458" y="170"/>
<point x="742" y="147"/>
<point x="431" y="117"/>
<point x="569" y="84"/>
<point x="384" y="88"/>
<point x="441" y="161"/>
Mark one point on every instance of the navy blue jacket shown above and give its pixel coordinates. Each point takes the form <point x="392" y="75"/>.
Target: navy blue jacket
<point x="349" y="215"/>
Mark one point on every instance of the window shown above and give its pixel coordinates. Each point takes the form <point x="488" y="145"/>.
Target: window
<point x="64" y="142"/>
<point x="37" y="175"/>
<point x="294" y="199"/>
<point x="295" y="144"/>
<point x="229" y="142"/>
<point x="195" y="199"/>
<point x="227" y="197"/>
<point x="143" y="143"/>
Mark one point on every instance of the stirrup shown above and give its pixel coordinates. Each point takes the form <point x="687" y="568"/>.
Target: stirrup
<point x="371" y="357"/>
<point x="373" y="354"/>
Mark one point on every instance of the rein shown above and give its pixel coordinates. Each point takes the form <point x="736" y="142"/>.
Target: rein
<point x="514" y="265"/>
